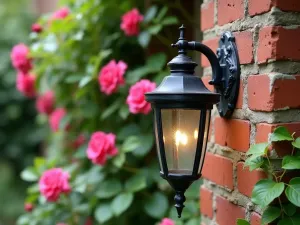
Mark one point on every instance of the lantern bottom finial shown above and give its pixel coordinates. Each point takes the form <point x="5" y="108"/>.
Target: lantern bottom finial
<point x="179" y="200"/>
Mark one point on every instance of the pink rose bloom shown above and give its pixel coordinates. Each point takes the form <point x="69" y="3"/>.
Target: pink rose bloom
<point x="61" y="13"/>
<point x="45" y="103"/>
<point x="167" y="221"/>
<point x="20" y="58"/>
<point x="55" y="118"/>
<point x="28" y="207"/>
<point x="136" y="98"/>
<point x="37" y="28"/>
<point x="25" y="84"/>
<point x="100" y="146"/>
<point x="53" y="182"/>
<point x="111" y="76"/>
<point x="61" y="224"/>
<point x="130" y="22"/>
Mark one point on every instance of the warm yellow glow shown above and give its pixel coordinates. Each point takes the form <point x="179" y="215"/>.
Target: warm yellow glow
<point x="196" y="134"/>
<point x="164" y="138"/>
<point x="180" y="138"/>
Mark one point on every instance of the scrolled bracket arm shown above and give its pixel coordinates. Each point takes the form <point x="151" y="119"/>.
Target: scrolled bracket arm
<point x="225" y="68"/>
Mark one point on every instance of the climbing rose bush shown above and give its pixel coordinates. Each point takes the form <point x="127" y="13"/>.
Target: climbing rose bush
<point x="53" y="183"/>
<point x="136" y="99"/>
<point x="55" y="118"/>
<point x="25" y="84"/>
<point x="101" y="146"/>
<point x="167" y="221"/>
<point x="131" y="22"/>
<point x="45" y="103"/>
<point x="111" y="76"/>
<point x="20" y="58"/>
<point x="92" y="68"/>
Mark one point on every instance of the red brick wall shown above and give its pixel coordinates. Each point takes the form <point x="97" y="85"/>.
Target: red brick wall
<point x="267" y="33"/>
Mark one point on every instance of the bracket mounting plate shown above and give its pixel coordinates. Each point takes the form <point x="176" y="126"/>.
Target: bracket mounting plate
<point x="230" y="69"/>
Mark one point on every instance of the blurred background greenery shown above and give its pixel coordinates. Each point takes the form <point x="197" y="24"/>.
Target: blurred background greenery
<point x="19" y="134"/>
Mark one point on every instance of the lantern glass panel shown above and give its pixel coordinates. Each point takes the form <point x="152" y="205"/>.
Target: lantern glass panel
<point x="205" y="139"/>
<point x="180" y="136"/>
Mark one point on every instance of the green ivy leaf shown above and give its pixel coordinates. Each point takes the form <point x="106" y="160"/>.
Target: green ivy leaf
<point x="155" y="29"/>
<point x="103" y="213"/>
<point x="291" y="162"/>
<point x="254" y="162"/>
<point x="156" y="62"/>
<point x="156" y="205"/>
<point x="121" y="203"/>
<point x="144" y="38"/>
<point x="292" y="192"/>
<point x="294" y="220"/>
<point x="119" y="160"/>
<point x="150" y="14"/>
<point x="265" y="191"/>
<point x="161" y="13"/>
<point x="111" y="109"/>
<point x="131" y="143"/>
<point x="270" y="214"/>
<point x="29" y="175"/>
<point x="170" y="20"/>
<point x="289" y="209"/>
<point x="242" y="222"/>
<point x="135" y="183"/>
<point x="281" y="134"/>
<point x="109" y="188"/>
<point x="296" y="143"/>
<point x="258" y="149"/>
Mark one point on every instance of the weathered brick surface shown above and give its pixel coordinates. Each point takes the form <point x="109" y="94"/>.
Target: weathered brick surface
<point x="278" y="43"/>
<point x="245" y="46"/>
<point x="276" y="95"/>
<point x="230" y="10"/>
<point x="206" y="206"/>
<point x="221" y="174"/>
<point x="227" y="212"/>
<point x="232" y="133"/>
<point x="246" y="179"/>
<point x="213" y="44"/>
<point x="207" y="15"/>
<point x="267" y="37"/>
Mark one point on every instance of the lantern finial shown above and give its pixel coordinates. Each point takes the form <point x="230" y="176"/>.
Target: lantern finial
<point x="179" y="200"/>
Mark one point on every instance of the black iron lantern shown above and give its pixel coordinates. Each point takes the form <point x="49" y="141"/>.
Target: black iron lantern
<point x="182" y="108"/>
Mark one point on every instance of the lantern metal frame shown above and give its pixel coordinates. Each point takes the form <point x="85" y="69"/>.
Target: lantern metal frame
<point x="182" y="90"/>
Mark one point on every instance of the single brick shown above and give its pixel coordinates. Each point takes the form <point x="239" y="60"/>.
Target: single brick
<point x="230" y="10"/>
<point x="264" y="129"/>
<point x="278" y="43"/>
<point x="262" y="97"/>
<point x="246" y="179"/>
<point x="244" y="44"/>
<point x="288" y="5"/>
<point x="227" y="212"/>
<point x="221" y="174"/>
<point x="206" y="202"/>
<point x="256" y="7"/>
<point x="255" y="219"/>
<point x="213" y="45"/>
<point x="207" y="15"/>
<point x="233" y="133"/>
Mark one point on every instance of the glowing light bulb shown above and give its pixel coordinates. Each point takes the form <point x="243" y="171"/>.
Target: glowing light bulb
<point x="180" y="138"/>
<point x="196" y="134"/>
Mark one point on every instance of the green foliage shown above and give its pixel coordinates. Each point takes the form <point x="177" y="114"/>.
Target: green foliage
<point x="266" y="191"/>
<point x="242" y="222"/>
<point x="68" y="56"/>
